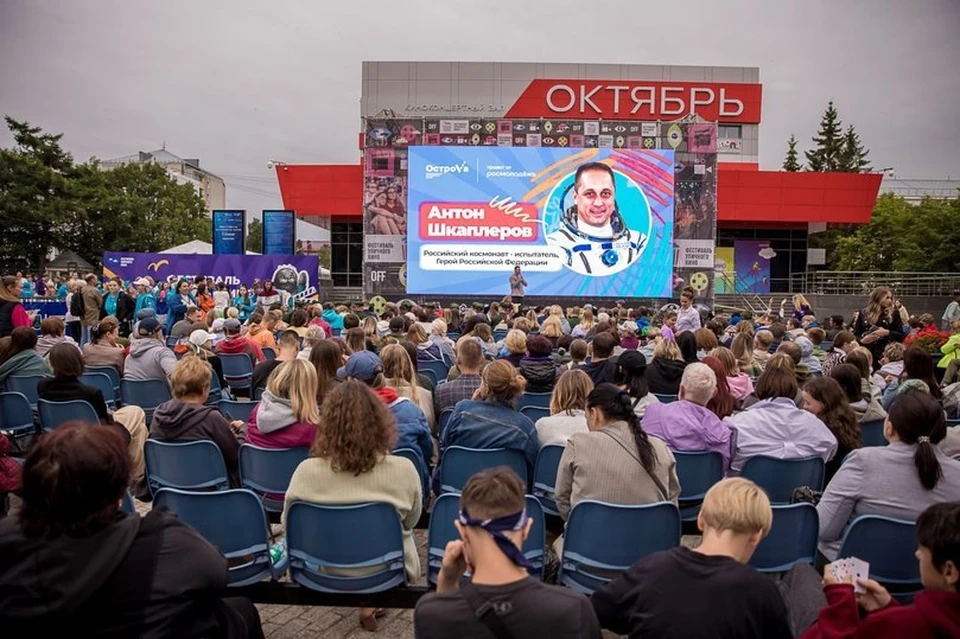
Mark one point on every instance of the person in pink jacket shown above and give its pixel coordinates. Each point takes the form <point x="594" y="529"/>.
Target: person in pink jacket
<point x="287" y="415"/>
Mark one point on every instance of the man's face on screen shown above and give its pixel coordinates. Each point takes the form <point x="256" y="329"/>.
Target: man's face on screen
<point x="594" y="197"/>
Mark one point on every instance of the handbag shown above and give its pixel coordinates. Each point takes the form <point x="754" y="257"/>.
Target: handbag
<point x="660" y="486"/>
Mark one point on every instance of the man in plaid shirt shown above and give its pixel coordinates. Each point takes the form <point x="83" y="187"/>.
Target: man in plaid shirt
<point x="469" y="360"/>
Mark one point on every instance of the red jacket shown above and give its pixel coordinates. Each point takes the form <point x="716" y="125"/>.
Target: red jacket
<point x="232" y="345"/>
<point x="10" y="471"/>
<point x="935" y="614"/>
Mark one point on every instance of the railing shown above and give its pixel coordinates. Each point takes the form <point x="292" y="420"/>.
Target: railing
<point x="862" y="282"/>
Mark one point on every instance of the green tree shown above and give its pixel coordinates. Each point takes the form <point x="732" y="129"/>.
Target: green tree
<point x="827" y="143"/>
<point x="255" y="236"/>
<point x="790" y="162"/>
<point x="853" y="156"/>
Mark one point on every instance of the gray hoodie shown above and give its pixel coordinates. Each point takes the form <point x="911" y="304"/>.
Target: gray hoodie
<point x="274" y="413"/>
<point x="149" y="359"/>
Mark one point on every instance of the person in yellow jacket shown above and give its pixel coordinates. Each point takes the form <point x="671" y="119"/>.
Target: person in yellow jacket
<point x="951" y="355"/>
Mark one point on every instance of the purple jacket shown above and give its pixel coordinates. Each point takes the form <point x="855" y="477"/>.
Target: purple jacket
<point x="688" y="427"/>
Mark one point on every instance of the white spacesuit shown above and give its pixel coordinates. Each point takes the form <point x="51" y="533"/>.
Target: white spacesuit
<point x="597" y="255"/>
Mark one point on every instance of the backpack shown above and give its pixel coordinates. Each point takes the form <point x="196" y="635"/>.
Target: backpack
<point x="76" y="305"/>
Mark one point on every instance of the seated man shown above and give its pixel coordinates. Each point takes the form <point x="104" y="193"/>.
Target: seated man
<point x="235" y="343"/>
<point x="469" y="362"/>
<point x="683" y="593"/>
<point x="502" y="599"/>
<point x="934" y="612"/>
<point x="686" y="424"/>
<point x="289" y="345"/>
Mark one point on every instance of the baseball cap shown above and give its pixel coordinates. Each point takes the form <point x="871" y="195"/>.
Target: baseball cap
<point x="217" y="326"/>
<point x="397" y="323"/>
<point x="633" y="361"/>
<point x="629" y="326"/>
<point x="231" y="325"/>
<point x="148" y="326"/>
<point x="362" y="365"/>
<point x="141" y="281"/>
<point x="200" y="337"/>
<point x="145" y="313"/>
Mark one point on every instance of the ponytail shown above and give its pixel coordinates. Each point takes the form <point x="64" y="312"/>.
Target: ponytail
<point x="927" y="465"/>
<point x="917" y="418"/>
<point x="617" y="404"/>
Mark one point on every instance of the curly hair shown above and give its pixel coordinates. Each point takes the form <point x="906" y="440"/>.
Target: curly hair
<point x="358" y="429"/>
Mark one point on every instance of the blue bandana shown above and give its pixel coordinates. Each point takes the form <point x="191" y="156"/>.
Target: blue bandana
<point x="495" y="527"/>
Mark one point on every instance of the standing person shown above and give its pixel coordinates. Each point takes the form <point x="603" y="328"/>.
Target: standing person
<point x="517" y="284"/>
<point x="91" y="300"/>
<point x="12" y="313"/>
<point x="145" y="296"/>
<point x="501" y="599"/>
<point x="688" y="317"/>
<point x="268" y="296"/>
<point x="71" y="320"/>
<point x="117" y="303"/>
<point x="245" y="302"/>
<point x="204" y="298"/>
<point x="221" y="298"/>
<point x="801" y="308"/>
<point x="952" y="313"/>
<point x="178" y="301"/>
<point x="878" y="324"/>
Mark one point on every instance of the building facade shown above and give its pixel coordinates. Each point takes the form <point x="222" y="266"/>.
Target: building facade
<point x="208" y="186"/>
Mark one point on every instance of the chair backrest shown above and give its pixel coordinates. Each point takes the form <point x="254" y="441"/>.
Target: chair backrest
<point x="499" y="335"/>
<point x="533" y="399"/>
<point x="365" y="536"/>
<point x="429" y="373"/>
<point x="443" y="418"/>
<point x="258" y="394"/>
<point x="792" y="539"/>
<point x="780" y="476"/>
<point x="269" y="353"/>
<point x="15" y="411"/>
<point x="26" y="385"/>
<point x="697" y="472"/>
<point x="231" y="520"/>
<point x="126" y="503"/>
<point x="110" y="372"/>
<point x="459" y="464"/>
<point x="172" y="341"/>
<point x="888" y="545"/>
<point x="102" y="382"/>
<point x="453" y="335"/>
<point x="268" y="471"/>
<point x="145" y="393"/>
<point x="602" y="540"/>
<point x="535" y="412"/>
<point x="53" y="414"/>
<point x="441" y="530"/>
<point x="196" y="465"/>
<point x="236" y="410"/>
<point x="665" y="398"/>
<point x="826" y="346"/>
<point x="438" y="369"/>
<point x="871" y="433"/>
<point x="545" y="476"/>
<point x="237" y="369"/>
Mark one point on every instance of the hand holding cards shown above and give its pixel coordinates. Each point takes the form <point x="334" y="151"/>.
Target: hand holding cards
<point x="849" y="570"/>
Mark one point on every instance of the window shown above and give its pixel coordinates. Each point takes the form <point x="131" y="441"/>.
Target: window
<point x="730" y="131"/>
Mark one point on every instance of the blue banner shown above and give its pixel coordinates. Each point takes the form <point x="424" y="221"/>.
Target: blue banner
<point x="229" y="228"/>
<point x="475" y="213"/>
<point x="279" y="232"/>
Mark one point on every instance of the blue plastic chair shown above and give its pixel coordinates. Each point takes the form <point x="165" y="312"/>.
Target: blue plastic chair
<point x="826" y="346"/>
<point x="258" y="394"/>
<point x="441" y="530"/>
<point x="237" y="369"/>
<point x="114" y="376"/>
<point x="17" y="415"/>
<point x="431" y="375"/>
<point x="267" y="472"/>
<point x="194" y="465"/>
<point x="953" y="422"/>
<point x="172" y="341"/>
<point x="453" y="335"/>
<point x="545" y="477"/>
<point x="499" y="336"/>
<point x="792" y="539"/>
<point x="148" y="394"/>
<point x="234" y="522"/>
<point x="665" y="398"/>
<point x="780" y="476"/>
<point x="102" y="382"/>
<point x="534" y="399"/>
<point x="443" y="418"/>
<point x="53" y="414"/>
<point x="436" y="370"/>
<point x="458" y="464"/>
<point x="232" y="409"/>
<point x="888" y="545"/>
<point x="603" y="540"/>
<point x="697" y="472"/>
<point x="269" y="353"/>
<point x="216" y="394"/>
<point x="871" y="433"/>
<point x="26" y="385"/>
<point x="535" y="412"/>
<point x="357" y="536"/>
<point x="126" y="503"/>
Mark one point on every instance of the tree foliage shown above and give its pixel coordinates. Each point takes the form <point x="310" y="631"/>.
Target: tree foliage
<point x="255" y="236"/>
<point x="791" y="162"/>
<point x="48" y="202"/>
<point x="827" y="143"/>
<point x="904" y="237"/>
<point x="853" y="157"/>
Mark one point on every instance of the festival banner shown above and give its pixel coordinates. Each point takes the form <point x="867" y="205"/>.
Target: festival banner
<point x="752" y="259"/>
<point x="299" y="275"/>
<point x="474" y="213"/>
<point x="724" y="273"/>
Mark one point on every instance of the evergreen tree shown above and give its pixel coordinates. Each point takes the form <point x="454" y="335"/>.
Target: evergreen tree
<point x="828" y="143"/>
<point x="790" y="162"/>
<point x="853" y="157"/>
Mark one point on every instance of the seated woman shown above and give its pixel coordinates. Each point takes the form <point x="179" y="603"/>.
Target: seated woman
<point x="825" y="398"/>
<point x="898" y="480"/>
<point x="666" y="368"/>
<point x="514" y="347"/>
<point x="723" y="402"/>
<point x="326" y="358"/>
<point x="616" y="462"/>
<point x="350" y="463"/>
<point x="843" y="343"/>
<point x="427" y="351"/>
<point x="863" y="360"/>
<point x="103" y="349"/>
<point x="552" y="329"/>
<point x="537" y="366"/>
<point x="187" y="418"/>
<point x="287" y="415"/>
<point x="400" y="375"/>
<point x="742" y="349"/>
<point x="631" y="377"/>
<point x="153" y="574"/>
<point x="865" y="407"/>
<point x="65" y="385"/>
<point x="18" y="355"/>
<point x="490" y="419"/>
<point x="567" y="406"/>
<point x="738" y="382"/>
<point x="52" y="333"/>
<point x="918" y="373"/>
<point x="774" y="426"/>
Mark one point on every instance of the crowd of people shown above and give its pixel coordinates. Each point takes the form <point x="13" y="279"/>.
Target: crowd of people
<point x="628" y="388"/>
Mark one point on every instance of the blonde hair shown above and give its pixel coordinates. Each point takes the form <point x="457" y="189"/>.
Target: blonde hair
<point x="668" y="349"/>
<point x="416" y="334"/>
<point x="296" y="380"/>
<point x="516" y="342"/>
<point x="398" y="369"/>
<point x="738" y="505"/>
<point x="439" y="327"/>
<point x="586" y="319"/>
<point x="727" y="358"/>
<point x="191" y="376"/>
<point x="532" y="318"/>
<point x="500" y="381"/>
<point x="570" y="392"/>
<point x="799" y="301"/>
<point x="551" y="327"/>
<point x="521" y="324"/>
<point x="233" y="313"/>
